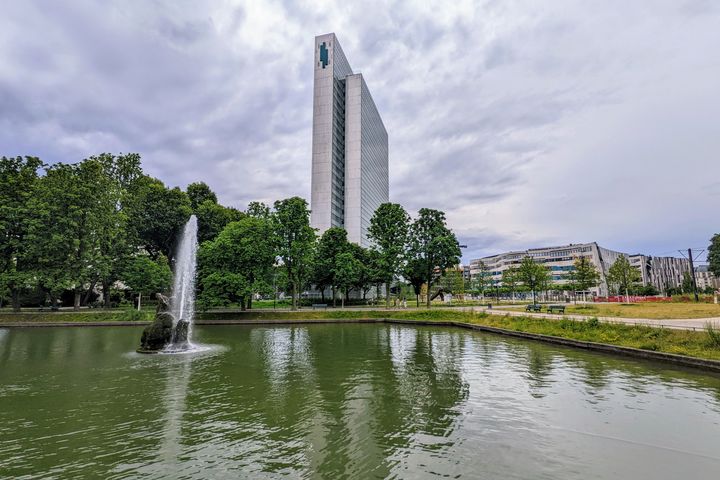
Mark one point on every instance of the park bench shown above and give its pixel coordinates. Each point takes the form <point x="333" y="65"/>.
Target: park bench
<point x="556" y="309"/>
<point x="319" y="305"/>
<point x="533" y="308"/>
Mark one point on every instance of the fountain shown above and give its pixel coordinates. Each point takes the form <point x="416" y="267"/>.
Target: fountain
<point x="172" y="328"/>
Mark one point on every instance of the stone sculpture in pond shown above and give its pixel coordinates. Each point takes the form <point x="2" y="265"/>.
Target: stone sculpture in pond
<point x="164" y="331"/>
<point x="172" y="327"/>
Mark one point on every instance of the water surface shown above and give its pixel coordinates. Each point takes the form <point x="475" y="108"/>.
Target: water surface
<point x="346" y="401"/>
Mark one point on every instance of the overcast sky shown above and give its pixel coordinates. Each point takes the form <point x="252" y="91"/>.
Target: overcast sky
<point x="529" y="123"/>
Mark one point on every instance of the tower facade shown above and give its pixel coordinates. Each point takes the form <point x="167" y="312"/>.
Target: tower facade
<point x="350" y="176"/>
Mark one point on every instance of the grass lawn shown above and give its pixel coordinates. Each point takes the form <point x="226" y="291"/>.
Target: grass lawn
<point x="660" y="311"/>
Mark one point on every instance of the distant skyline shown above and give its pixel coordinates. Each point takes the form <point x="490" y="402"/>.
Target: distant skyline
<point x="529" y="124"/>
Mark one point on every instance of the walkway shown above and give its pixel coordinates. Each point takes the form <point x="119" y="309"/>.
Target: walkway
<point x="681" y="324"/>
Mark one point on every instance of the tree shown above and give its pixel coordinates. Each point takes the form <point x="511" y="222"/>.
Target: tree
<point x="623" y="275"/>
<point x="347" y="272"/>
<point x="238" y="263"/>
<point x="198" y="193"/>
<point x="388" y="230"/>
<point x="687" y="283"/>
<point x="533" y="275"/>
<point x="159" y="214"/>
<point x="296" y="239"/>
<point x="213" y="218"/>
<point x="432" y="247"/>
<point x="713" y="257"/>
<point x="72" y="202"/>
<point x="510" y="279"/>
<point x="18" y="184"/>
<point x="331" y="244"/>
<point x="258" y="209"/>
<point x="414" y="273"/>
<point x="584" y="275"/>
<point x="117" y="241"/>
<point x="146" y="276"/>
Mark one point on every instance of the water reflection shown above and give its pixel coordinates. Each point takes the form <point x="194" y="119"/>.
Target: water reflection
<point x="339" y="401"/>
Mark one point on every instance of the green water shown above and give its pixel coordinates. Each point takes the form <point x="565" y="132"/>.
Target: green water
<point x="346" y="401"/>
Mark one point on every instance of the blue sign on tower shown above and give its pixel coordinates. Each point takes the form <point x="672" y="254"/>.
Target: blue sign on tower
<point x="324" y="59"/>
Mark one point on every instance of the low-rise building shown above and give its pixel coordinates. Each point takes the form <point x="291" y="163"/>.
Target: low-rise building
<point x="705" y="278"/>
<point x="661" y="272"/>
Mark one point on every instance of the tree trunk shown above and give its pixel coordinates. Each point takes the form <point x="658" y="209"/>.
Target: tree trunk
<point x="243" y="305"/>
<point x="417" y="300"/>
<point x="342" y="301"/>
<point x="139" y="301"/>
<point x="322" y="295"/>
<point x="15" y="299"/>
<point x="249" y="302"/>
<point x="333" y="296"/>
<point x="106" y="294"/>
<point x="387" y="294"/>
<point x="76" y="304"/>
<point x="294" y="296"/>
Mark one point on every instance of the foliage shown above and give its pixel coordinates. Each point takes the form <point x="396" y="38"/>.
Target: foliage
<point x="331" y="244"/>
<point x="346" y="272"/>
<point x="212" y="219"/>
<point x="533" y="275"/>
<point x="713" y="256"/>
<point x="713" y="334"/>
<point x="622" y="275"/>
<point x="17" y="189"/>
<point x="389" y="230"/>
<point x="199" y="193"/>
<point x="238" y="263"/>
<point x="510" y="279"/>
<point x="432" y="247"/>
<point x="295" y="241"/>
<point x="687" y="283"/>
<point x="160" y="215"/>
<point x="147" y="276"/>
<point x="584" y="275"/>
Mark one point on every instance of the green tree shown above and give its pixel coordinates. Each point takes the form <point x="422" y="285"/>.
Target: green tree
<point x="584" y="275"/>
<point x="432" y="247"/>
<point x="414" y="273"/>
<point x="159" y="214"/>
<point x="510" y="279"/>
<point x="296" y="239"/>
<point x="213" y="218"/>
<point x="347" y="272"/>
<point x="388" y="230"/>
<point x="534" y="276"/>
<point x="146" y="276"/>
<point x="622" y="275"/>
<point x="687" y="283"/>
<point x="713" y="257"/>
<point x="331" y="244"/>
<point x="199" y="193"/>
<point x="117" y="241"/>
<point x="238" y="263"/>
<point x="18" y="185"/>
<point x="258" y="209"/>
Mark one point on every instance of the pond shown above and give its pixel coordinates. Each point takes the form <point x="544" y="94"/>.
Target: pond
<point x="346" y="401"/>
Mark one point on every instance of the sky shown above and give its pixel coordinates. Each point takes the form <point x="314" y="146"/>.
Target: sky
<point x="529" y="123"/>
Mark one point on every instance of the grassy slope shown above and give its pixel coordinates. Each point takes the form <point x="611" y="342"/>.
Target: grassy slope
<point x="696" y="344"/>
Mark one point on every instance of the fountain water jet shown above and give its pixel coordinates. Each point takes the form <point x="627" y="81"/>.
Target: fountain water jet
<point x="172" y="329"/>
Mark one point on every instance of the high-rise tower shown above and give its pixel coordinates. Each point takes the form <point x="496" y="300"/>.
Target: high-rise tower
<point x="349" y="147"/>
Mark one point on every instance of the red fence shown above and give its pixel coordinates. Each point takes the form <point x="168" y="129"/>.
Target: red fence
<point x="631" y="298"/>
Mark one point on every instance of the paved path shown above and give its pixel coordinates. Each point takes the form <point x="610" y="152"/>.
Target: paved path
<point x="682" y="324"/>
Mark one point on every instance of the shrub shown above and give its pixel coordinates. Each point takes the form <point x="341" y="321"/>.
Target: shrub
<point x="713" y="335"/>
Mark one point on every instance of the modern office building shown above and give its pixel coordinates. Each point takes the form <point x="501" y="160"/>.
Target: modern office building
<point x="661" y="272"/>
<point x="349" y="146"/>
<point x="705" y="278"/>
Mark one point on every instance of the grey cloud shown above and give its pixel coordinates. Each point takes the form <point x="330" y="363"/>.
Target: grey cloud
<point x="511" y="117"/>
